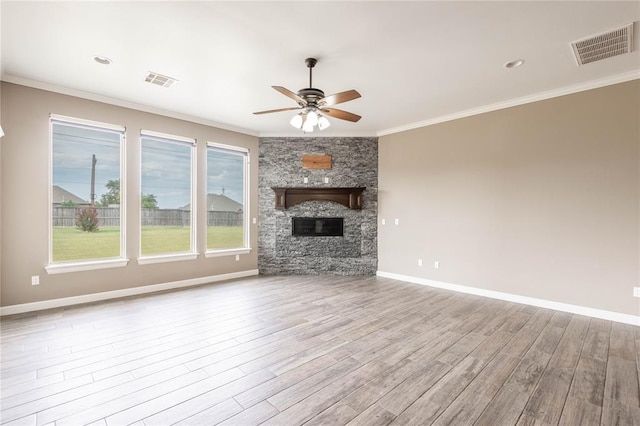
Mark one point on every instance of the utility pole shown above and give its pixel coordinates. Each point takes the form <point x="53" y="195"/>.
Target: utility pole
<point x="94" y="160"/>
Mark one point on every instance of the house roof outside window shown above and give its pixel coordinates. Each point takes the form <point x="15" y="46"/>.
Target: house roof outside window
<point x="60" y="195"/>
<point x="219" y="203"/>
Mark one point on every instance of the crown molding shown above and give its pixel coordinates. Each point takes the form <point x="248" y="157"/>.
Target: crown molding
<point x="568" y="90"/>
<point x="320" y="134"/>
<point x="121" y="103"/>
<point x="581" y="87"/>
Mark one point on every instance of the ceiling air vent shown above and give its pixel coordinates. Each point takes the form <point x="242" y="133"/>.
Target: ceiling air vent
<point x="159" y="79"/>
<point x="603" y="46"/>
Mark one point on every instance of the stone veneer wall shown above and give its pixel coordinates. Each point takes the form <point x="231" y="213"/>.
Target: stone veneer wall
<point x="354" y="164"/>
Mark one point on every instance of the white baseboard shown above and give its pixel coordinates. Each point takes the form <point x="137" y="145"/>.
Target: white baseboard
<point x="541" y="303"/>
<point x="96" y="297"/>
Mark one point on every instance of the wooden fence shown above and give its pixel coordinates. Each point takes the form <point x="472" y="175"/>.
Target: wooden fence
<point x="110" y="216"/>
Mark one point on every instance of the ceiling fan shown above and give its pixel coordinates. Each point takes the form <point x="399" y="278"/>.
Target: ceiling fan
<point x="314" y="105"/>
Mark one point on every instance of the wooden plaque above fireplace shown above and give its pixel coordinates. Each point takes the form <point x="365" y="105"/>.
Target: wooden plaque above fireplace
<point x="348" y="197"/>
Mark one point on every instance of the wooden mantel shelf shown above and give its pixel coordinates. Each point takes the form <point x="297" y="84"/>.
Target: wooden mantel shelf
<point x="348" y="197"/>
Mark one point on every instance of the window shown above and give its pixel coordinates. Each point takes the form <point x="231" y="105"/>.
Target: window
<point x="87" y="223"/>
<point x="226" y="197"/>
<point x="167" y="208"/>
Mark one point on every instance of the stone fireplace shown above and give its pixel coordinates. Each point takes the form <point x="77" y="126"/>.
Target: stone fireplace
<point x="348" y="190"/>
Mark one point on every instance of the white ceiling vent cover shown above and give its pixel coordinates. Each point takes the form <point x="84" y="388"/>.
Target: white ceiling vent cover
<point x="159" y="79"/>
<point x="603" y="46"/>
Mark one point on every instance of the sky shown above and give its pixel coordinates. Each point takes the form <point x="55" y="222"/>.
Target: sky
<point x="164" y="166"/>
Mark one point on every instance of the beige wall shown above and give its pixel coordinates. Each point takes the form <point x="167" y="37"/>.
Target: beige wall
<point x="25" y="186"/>
<point x="540" y="200"/>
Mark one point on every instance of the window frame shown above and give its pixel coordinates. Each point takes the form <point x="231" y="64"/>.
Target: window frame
<point x="192" y="254"/>
<point x="246" y="153"/>
<point x="87" y="264"/>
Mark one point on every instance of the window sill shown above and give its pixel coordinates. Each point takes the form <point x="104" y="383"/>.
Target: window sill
<point x="147" y="260"/>
<point x="230" y="252"/>
<point x="62" y="268"/>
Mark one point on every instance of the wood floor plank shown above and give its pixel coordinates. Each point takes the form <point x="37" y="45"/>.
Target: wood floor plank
<point x="337" y="414"/>
<point x="620" y="385"/>
<point x="372" y="416"/>
<point x="427" y="407"/>
<point x="211" y="416"/>
<point x="578" y="412"/>
<point x="619" y="414"/>
<point x="526" y="335"/>
<point x="285" y="350"/>
<point x="327" y="396"/>
<point x="99" y="405"/>
<point x="622" y="342"/>
<point x="301" y="390"/>
<point x="59" y="401"/>
<point x="471" y="402"/>
<point x="403" y="395"/>
<point x="159" y="398"/>
<point x="508" y="404"/>
<point x="588" y="381"/>
<point x="283" y="381"/>
<point x="252" y="416"/>
<point x="370" y="393"/>
<point x="547" y="401"/>
<point x="193" y="404"/>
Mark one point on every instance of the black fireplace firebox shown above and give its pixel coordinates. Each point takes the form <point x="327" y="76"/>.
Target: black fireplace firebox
<point x="317" y="226"/>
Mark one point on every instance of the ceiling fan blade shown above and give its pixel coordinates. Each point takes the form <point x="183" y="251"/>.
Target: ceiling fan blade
<point x="339" y="98"/>
<point x="290" y="94"/>
<point x="342" y="115"/>
<point x="275" y="110"/>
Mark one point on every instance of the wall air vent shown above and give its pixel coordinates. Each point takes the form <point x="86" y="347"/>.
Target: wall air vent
<point x="159" y="79"/>
<point x="603" y="46"/>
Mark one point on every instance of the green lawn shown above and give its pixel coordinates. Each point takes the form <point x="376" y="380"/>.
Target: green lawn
<point x="70" y="243"/>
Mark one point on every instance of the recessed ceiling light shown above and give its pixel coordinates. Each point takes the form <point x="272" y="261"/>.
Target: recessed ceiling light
<point x="102" y="60"/>
<point x="514" y="64"/>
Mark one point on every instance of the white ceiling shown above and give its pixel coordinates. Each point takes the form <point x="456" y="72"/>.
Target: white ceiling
<point x="413" y="62"/>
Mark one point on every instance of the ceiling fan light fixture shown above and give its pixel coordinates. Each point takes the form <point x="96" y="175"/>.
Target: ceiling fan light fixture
<point x="296" y="121"/>
<point x="312" y="118"/>
<point x="311" y="101"/>
<point x="323" y="123"/>
<point x="307" y="127"/>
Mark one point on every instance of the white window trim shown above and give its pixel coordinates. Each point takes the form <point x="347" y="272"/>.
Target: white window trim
<point x="246" y="205"/>
<point x="62" y="268"/>
<point x="80" y="122"/>
<point x="226" y="252"/>
<point x="163" y="258"/>
<point x="91" y="264"/>
<point x="167" y="136"/>
<point x="192" y="254"/>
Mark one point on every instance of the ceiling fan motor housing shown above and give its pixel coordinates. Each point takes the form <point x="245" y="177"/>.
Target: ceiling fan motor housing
<point x="311" y="95"/>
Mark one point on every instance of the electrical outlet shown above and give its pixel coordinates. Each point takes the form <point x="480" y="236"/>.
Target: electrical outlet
<point x="326" y="180"/>
<point x="384" y="222"/>
<point x="419" y="262"/>
<point x="436" y="265"/>
<point x="397" y="221"/>
<point x="636" y="292"/>
<point x="35" y="280"/>
<point x="254" y="221"/>
<point x="305" y="180"/>
<point x="237" y="257"/>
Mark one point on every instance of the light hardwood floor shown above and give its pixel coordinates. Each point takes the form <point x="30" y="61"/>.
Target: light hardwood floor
<point x="317" y="351"/>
